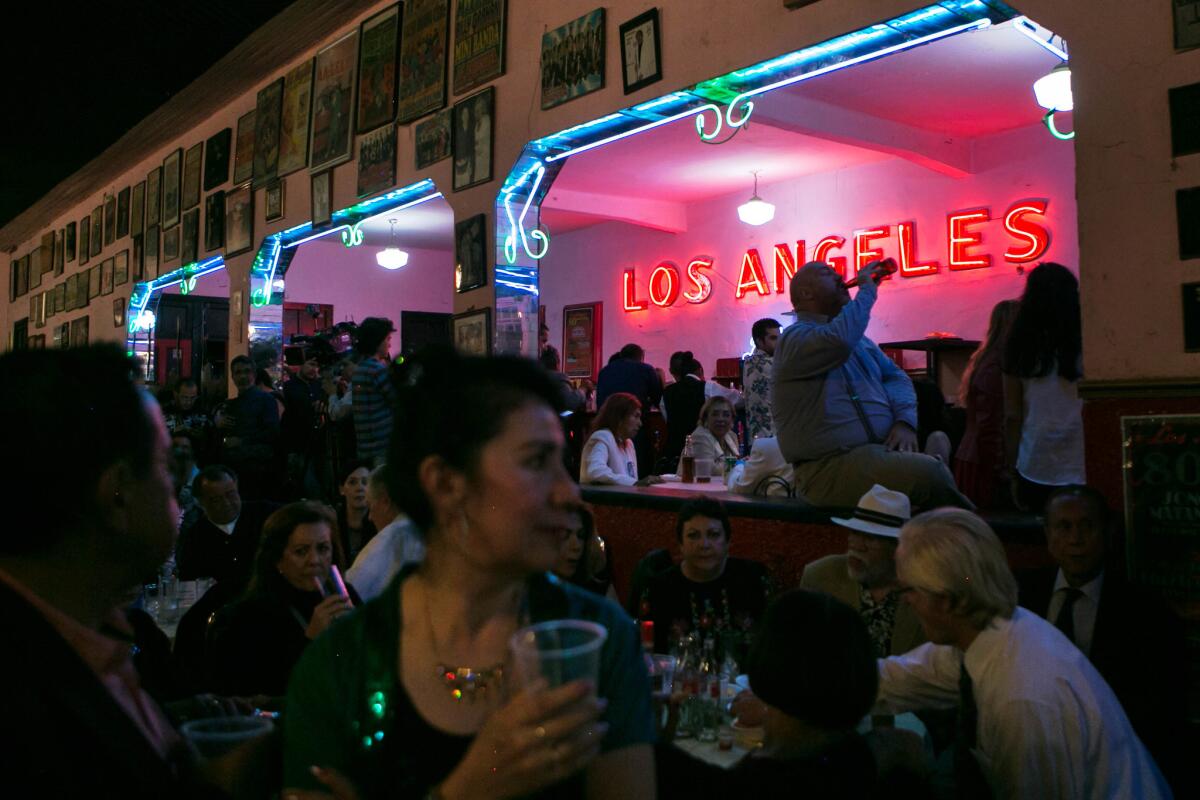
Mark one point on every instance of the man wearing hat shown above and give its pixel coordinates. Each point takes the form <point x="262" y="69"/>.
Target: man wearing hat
<point x="865" y="577"/>
<point x="372" y="389"/>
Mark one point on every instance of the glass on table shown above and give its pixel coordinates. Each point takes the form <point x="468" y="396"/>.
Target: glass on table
<point x="704" y="470"/>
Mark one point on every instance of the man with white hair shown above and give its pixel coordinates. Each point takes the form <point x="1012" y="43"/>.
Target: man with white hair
<point x="395" y="546"/>
<point x="1036" y="719"/>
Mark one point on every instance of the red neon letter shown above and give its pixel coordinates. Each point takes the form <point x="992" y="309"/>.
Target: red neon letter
<point x="863" y="256"/>
<point x="701" y="281"/>
<point x="821" y="253"/>
<point x="909" y="266"/>
<point x="667" y="297"/>
<point x="959" y="239"/>
<point x="1034" y="237"/>
<point x="785" y="265"/>
<point x="628" y="287"/>
<point x="751" y="276"/>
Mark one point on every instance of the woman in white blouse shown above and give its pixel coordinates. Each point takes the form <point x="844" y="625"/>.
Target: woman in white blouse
<point x="714" y="438"/>
<point x="608" y="455"/>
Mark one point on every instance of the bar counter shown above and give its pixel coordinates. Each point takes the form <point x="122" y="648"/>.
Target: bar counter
<point x="784" y="534"/>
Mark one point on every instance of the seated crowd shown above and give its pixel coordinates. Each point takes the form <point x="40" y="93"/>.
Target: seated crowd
<point x="378" y="627"/>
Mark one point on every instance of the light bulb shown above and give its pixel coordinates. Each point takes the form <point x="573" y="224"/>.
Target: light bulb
<point x="391" y="258"/>
<point x="756" y="211"/>
<point x="1053" y="91"/>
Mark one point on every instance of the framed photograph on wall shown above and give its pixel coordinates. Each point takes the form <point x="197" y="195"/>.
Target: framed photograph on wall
<point x="472" y="332"/>
<point x="69" y="241"/>
<point x="322" y="198"/>
<point x="137" y="245"/>
<point x="60" y="250"/>
<point x="424" y="49"/>
<point x="110" y="219"/>
<point x="470" y="253"/>
<point x="137" y="208"/>
<point x="293" y="124"/>
<point x="85" y="239"/>
<point x="123" y="213"/>
<point x="379" y="44"/>
<point x="243" y="154"/>
<point x="433" y="139"/>
<point x="60" y="298"/>
<point x="121" y="268"/>
<point x="191" y="175"/>
<point x="172" y="165"/>
<point x="333" y="103"/>
<point x="582" y="340"/>
<point x="479" y="34"/>
<point x="189" y="237"/>
<point x="376" y="161"/>
<point x="214" y="221"/>
<point x="268" y="111"/>
<point x="97" y="230"/>
<point x="472" y="139"/>
<point x="106" y="276"/>
<point x="1187" y="24"/>
<point x="641" y="63"/>
<point x="79" y="331"/>
<point x="273" y="200"/>
<point x="170" y="246"/>
<point x="154" y="197"/>
<point x="119" y="312"/>
<point x="216" y="158"/>
<point x="93" y="284"/>
<point x="150" y="253"/>
<point x="239" y="220"/>
<point x="573" y="59"/>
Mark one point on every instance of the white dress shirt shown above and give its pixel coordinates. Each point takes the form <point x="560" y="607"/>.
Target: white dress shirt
<point x="384" y="556"/>
<point x="1049" y="726"/>
<point x="1087" y="605"/>
<point x="604" y="461"/>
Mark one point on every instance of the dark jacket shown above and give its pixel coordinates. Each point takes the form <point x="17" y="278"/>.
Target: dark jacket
<point x="206" y="551"/>
<point x="297" y="431"/>
<point x="635" y="377"/>
<point x="683" y="400"/>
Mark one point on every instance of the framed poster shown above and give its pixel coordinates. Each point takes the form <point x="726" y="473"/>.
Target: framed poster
<point x="150" y="253"/>
<point x="1187" y="24"/>
<point x="45" y="253"/>
<point x="379" y="44"/>
<point x="119" y="312"/>
<point x="581" y="341"/>
<point x="273" y="200"/>
<point x="85" y="239"/>
<point x="60" y="247"/>
<point x="268" y="112"/>
<point x="191" y="175"/>
<point x="472" y="139"/>
<point x="189" y="244"/>
<point x="79" y="332"/>
<point x="93" y="284"/>
<point x="106" y="276"/>
<point x="573" y="59"/>
<point x="333" y="98"/>
<point x="97" y="230"/>
<point x="60" y="298"/>
<point x="22" y="279"/>
<point x="137" y="244"/>
<point x="433" y="139"/>
<point x="69" y="241"/>
<point x="69" y="293"/>
<point x="424" y="47"/>
<point x="137" y="208"/>
<point x="239" y="220"/>
<point x="123" y="213"/>
<point x="62" y="335"/>
<point x="243" y="155"/>
<point x="170" y="245"/>
<point x="293" y="125"/>
<point x="472" y="332"/>
<point x="121" y="268"/>
<point x="322" y="198"/>
<point x="110" y="219"/>
<point x="154" y="197"/>
<point x="216" y="158"/>
<point x="214" y="221"/>
<point x="479" y="32"/>
<point x="170" y="188"/>
<point x="377" y="160"/>
<point x="640" y="52"/>
<point x="470" y="253"/>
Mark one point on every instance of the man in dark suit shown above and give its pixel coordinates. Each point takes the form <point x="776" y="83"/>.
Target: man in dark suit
<point x="1131" y="637"/>
<point x="629" y="372"/>
<point x="222" y="542"/>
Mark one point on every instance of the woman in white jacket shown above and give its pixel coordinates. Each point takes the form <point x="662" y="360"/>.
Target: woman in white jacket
<point x="608" y="455"/>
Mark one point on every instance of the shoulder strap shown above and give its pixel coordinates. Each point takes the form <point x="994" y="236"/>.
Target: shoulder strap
<point x="862" y="414"/>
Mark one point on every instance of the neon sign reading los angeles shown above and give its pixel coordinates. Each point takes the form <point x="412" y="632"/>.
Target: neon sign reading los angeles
<point x="1030" y="239"/>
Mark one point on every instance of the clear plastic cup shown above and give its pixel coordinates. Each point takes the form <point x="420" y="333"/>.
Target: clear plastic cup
<point x="217" y="736"/>
<point x="662" y="674"/>
<point x="704" y="470"/>
<point x="558" y="651"/>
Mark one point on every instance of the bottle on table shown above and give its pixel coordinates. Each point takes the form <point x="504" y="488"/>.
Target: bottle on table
<point x="687" y="462"/>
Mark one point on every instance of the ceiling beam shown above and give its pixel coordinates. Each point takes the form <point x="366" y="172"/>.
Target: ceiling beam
<point x="659" y="215"/>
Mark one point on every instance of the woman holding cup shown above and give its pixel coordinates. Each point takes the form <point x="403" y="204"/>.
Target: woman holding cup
<point x="416" y="695"/>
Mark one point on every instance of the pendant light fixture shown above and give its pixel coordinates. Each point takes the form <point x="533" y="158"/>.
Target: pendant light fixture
<point x="756" y="211"/>
<point x="391" y="257"/>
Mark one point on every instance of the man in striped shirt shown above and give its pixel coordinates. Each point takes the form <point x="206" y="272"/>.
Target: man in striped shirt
<point x="374" y="395"/>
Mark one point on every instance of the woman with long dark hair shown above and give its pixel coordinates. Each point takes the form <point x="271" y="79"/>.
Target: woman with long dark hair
<point x="1042" y="366"/>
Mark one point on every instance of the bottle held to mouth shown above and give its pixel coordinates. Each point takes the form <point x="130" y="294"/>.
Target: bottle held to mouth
<point x="884" y="268"/>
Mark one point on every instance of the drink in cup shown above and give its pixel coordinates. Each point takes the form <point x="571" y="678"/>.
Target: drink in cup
<point x="216" y="736"/>
<point x="662" y="674"/>
<point x="558" y="651"/>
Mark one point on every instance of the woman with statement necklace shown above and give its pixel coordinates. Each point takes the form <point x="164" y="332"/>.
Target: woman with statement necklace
<point x="410" y="696"/>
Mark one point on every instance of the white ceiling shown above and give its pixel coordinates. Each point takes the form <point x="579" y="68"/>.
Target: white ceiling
<point x="429" y="226"/>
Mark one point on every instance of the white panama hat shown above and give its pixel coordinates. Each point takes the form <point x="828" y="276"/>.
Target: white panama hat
<point x="880" y="512"/>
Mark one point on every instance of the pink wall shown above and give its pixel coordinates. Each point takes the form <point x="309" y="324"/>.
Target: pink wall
<point x="586" y="265"/>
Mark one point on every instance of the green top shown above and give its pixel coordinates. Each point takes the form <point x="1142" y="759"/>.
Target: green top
<point x="347" y="710"/>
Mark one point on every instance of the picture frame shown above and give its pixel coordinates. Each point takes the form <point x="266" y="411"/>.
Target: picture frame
<point x="137" y="208"/>
<point x="154" y="197"/>
<point x="432" y="139"/>
<point x="137" y="246"/>
<point x="641" y="51"/>
<point x="106" y="275"/>
<point x="239" y="220"/>
<point x="60" y="244"/>
<point x="69" y="293"/>
<point x="62" y="335"/>
<point x="170" y="245"/>
<point x="123" y="213"/>
<point x="376" y="160"/>
<point x="79" y="331"/>
<point x="472" y="332"/>
<point x="119" y="312"/>
<point x="470" y="254"/>
<point x="93" y="284"/>
<point x="480" y="31"/>
<point x="472" y="135"/>
<point x="85" y="239"/>
<point x="150" y="257"/>
<point x="97" y="230"/>
<point x="171" y="177"/>
<point x="378" y="49"/>
<point x="110" y="219"/>
<point x="214" y="221"/>
<point x="69" y="241"/>
<point x="273" y="200"/>
<point x="332" y="130"/>
<point x="1187" y="23"/>
<point x="189" y="237"/>
<point x="424" y="56"/>
<point x="121" y="268"/>
<point x="192" y="175"/>
<point x="268" y="112"/>
<point x="60" y="298"/>
<point x="243" y="155"/>
<point x="582" y="342"/>
<point x="573" y="59"/>
<point x="45" y="253"/>
<point x="322" y="198"/>
<point x="216" y="158"/>
<point x="295" y="118"/>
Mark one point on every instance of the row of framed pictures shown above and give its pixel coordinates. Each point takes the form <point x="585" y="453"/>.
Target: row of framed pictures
<point x="69" y="334"/>
<point x="78" y="290"/>
<point x="573" y="56"/>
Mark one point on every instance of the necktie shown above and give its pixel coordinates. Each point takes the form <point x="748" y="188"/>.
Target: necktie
<point x="1065" y="621"/>
<point x="969" y="779"/>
